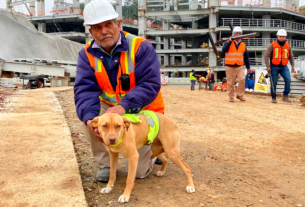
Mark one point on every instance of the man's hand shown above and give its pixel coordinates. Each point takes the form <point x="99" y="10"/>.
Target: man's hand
<point x="116" y="109"/>
<point x="250" y="70"/>
<point x="94" y="130"/>
<point x="268" y="69"/>
<point x="230" y="39"/>
<point x="292" y="70"/>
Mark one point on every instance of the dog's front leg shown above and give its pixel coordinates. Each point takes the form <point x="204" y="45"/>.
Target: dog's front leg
<point x="113" y="168"/>
<point x="132" y="158"/>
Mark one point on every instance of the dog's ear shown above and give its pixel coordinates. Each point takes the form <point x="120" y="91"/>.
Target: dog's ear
<point x="93" y="124"/>
<point x="126" y="123"/>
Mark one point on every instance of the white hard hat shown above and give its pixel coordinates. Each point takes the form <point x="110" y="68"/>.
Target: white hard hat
<point x="237" y="29"/>
<point x="281" y="32"/>
<point x="98" y="11"/>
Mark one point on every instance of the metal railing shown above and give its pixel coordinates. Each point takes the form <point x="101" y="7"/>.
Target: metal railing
<point x="279" y="23"/>
<point x="264" y="42"/>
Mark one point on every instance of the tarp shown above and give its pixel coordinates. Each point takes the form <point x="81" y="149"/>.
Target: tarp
<point x="20" y="39"/>
<point x="262" y="84"/>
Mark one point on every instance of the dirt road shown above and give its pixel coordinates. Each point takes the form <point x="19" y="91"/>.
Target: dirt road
<point x="241" y="154"/>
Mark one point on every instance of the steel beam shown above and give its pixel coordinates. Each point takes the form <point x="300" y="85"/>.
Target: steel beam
<point x="33" y="68"/>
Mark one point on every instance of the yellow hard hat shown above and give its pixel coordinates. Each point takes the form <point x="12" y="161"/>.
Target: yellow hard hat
<point x="208" y="68"/>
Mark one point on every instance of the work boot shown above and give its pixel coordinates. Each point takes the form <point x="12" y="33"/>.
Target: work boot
<point x="102" y="175"/>
<point x="286" y="99"/>
<point x="231" y="99"/>
<point x="241" y="98"/>
<point x="274" y="100"/>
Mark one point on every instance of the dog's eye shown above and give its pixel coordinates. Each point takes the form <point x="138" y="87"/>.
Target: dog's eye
<point x="118" y="126"/>
<point x="105" y="126"/>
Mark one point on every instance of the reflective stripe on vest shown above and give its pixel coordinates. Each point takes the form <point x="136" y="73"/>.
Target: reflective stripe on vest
<point x="280" y="53"/>
<point x="234" y="55"/>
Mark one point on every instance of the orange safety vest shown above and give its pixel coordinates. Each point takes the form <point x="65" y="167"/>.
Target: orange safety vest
<point x="127" y="62"/>
<point x="280" y="53"/>
<point x="209" y="75"/>
<point x="235" y="56"/>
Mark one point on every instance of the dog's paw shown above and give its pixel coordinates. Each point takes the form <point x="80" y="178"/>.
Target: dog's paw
<point x="106" y="190"/>
<point x="159" y="174"/>
<point x="123" y="199"/>
<point x="190" y="189"/>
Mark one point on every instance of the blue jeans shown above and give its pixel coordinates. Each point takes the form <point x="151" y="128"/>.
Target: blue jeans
<point x="285" y="73"/>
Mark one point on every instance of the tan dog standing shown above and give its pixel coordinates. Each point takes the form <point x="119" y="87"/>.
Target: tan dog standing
<point x="113" y="127"/>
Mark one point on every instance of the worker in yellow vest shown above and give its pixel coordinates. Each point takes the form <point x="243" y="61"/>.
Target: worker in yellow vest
<point x="279" y="53"/>
<point x="193" y="79"/>
<point x="236" y="56"/>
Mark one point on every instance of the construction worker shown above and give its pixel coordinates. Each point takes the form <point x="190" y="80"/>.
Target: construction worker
<point x="117" y="72"/>
<point x="279" y="53"/>
<point x="193" y="80"/>
<point x="211" y="79"/>
<point x="236" y="56"/>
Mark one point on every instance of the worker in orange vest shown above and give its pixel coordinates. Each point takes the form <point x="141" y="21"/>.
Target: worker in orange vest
<point x="236" y="56"/>
<point x="117" y="72"/>
<point x="211" y="78"/>
<point x="279" y="53"/>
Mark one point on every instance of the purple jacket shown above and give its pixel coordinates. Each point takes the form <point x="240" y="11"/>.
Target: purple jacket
<point x="147" y="76"/>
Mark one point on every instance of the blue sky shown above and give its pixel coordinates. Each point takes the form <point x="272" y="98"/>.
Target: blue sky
<point x="50" y="3"/>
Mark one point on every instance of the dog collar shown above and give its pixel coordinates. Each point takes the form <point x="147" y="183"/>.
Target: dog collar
<point x="114" y="145"/>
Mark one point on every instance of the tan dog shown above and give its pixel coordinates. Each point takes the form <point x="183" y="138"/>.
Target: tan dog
<point x="112" y="127"/>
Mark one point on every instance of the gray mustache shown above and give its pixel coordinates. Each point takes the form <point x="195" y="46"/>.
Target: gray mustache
<point x="103" y="37"/>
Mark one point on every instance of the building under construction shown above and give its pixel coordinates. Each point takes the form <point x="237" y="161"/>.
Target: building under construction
<point x="183" y="44"/>
<point x="178" y="28"/>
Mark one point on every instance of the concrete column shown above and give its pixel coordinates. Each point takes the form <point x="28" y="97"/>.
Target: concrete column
<point x="183" y="58"/>
<point x="158" y="47"/>
<point x="213" y="3"/>
<point x="166" y="5"/>
<point x="166" y="44"/>
<point x="40" y="8"/>
<point x="212" y="25"/>
<point x="41" y="27"/>
<point x="266" y="3"/>
<point x="32" y="9"/>
<point x="194" y="24"/>
<point x="172" y="47"/>
<point x="175" y="5"/>
<point x="119" y="10"/>
<point x="76" y="4"/>
<point x="194" y="5"/>
<point x="266" y="20"/>
<point x="141" y="17"/>
<point x="289" y="4"/>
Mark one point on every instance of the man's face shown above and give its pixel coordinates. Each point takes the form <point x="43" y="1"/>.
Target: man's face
<point x="237" y="34"/>
<point x="106" y="34"/>
<point x="281" y="38"/>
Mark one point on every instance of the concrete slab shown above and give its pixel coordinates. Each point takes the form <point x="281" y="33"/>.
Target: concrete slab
<point x="38" y="166"/>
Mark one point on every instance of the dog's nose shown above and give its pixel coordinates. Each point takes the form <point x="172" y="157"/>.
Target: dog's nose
<point x="112" y="139"/>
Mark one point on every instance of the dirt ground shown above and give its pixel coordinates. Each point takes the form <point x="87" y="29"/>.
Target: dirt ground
<point x="241" y="154"/>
